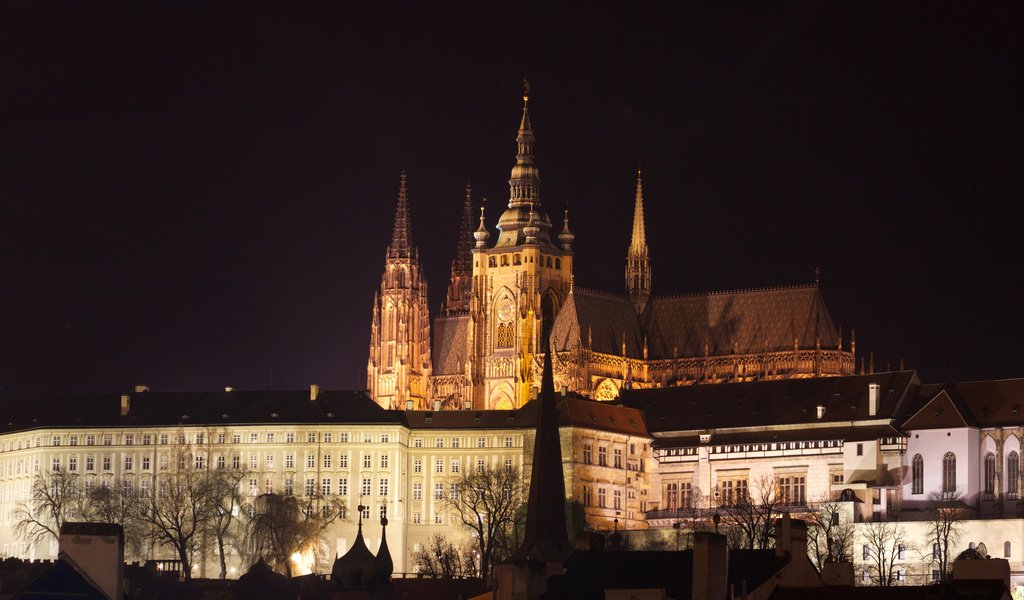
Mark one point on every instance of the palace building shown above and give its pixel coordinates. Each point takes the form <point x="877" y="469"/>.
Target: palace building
<point x="511" y="288"/>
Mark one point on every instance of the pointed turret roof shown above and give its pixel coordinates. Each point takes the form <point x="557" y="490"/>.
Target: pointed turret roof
<point x="463" y="262"/>
<point x="401" y="236"/>
<point x="638" y="243"/>
<point x="383" y="566"/>
<point x="546" y="536"/>
<point x="355" y="569"/>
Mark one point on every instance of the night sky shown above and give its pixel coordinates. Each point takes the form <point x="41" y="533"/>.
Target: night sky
<point x="195" y="195"/>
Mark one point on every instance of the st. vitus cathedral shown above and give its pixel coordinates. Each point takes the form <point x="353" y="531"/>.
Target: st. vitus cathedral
<point x="511" y="290"/>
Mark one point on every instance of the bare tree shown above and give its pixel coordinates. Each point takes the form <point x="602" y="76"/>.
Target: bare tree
<point x="488" y="501"/>
<point x="751" y="514"/>
<point x="830" y="533"/>
<point x="225" y="495"/>
<point x="885" y="543"/>
<point x="55" y="500"/>
<point x="182" y="503"/>
<point x="442" y="558"/>
<point x="947" y="509"/>
<point x="279" y="526"/>
<point x="116" y="502"/>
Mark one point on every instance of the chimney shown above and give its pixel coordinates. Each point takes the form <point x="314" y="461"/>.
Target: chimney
<point x="437" y="405"/>
<point x="710" y="566"/>
<point x="126" y="402"/>
<point x="872" y="399"/>
<point x="96" y="551"/>
<point x="790" y="537"/>
<point x="314" y="391"/>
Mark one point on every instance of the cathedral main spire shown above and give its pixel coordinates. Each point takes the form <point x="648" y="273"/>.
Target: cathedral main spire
<point x="638" y="263"/>
<point x="401" y="236"/>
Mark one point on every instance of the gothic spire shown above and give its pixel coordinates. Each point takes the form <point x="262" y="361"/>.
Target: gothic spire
<point x="638" y="263"/>
<point x="546" y="537"/>
<point x="401" y="236"/>
<point x="462" y="265"/>
<point x="524" y="185"/>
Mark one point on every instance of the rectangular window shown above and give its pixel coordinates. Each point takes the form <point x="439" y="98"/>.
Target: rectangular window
<point x="327" y="460"/>
<point x="438" y="491"/>
<point x="480" y="465"/>
<point x="199" y="438"/>
<point x="860" y="449"/>
<point x="268" y="461"/>
<point x="129" y="439"/>
<point x="508" y="464"/>
<point x="268" y="486"/>
<point x="455" y="465"/>
<point x="236" y="462"/>
<point x="128" y="463"/>
<point x="439" y="465"/>
<point x="438" y="519"/>
<point x="106" y="439"/>
<point x="602" y="500"/>
<point x="90" y="463"/>
<point x="367" y="438"/>
<point x="367" y="488"/>
<point x="310" y="460"/>
<point x="383" y="486"/>
<point x="90" y="440"/>
<point x="343" y="460"/>
<point x="270" y="438"/>
<point x="453" y="492"/>
<point x="617" y="499"/>
<point x="236" y="438"/>
<point x="367" y="460"/>
<point x="481" y="442"/>
<point x="508" y="441"/>
<point x="866" y="552"/>
<point x="417" y="518"/>
<point x="385" y="438"/>
<point x="325" y="486"/>
<point x="439" y="443"/>
<point x="417" y="491"/>
<point x="417" y="465"/>
<point x="343" y="486"/>
<point x="289" y="460"/>
<point x="221" y="437"/>
<point x="289" y="438"/>
<point x="901" y="552"/>
<point x="586" y="495"/>
<point x="72" y="441"/>
<point x="106" y="463"/>
<point x="252" y="460"/>
<point x="200" y="461"/>
<point x="384" y="461"/>
<point x="343" y="437"/>
<point x="310" y="437"/>
<point x="55" y="464"/>
<point x="417" y="443"/>
<point x="618" y="458"/>
<point x="602" y="456"/>
<point x="587" y="454"/>
<point x="328" y="437"/>
<point x="310" y="486"/>
<point x="73" y="463"/>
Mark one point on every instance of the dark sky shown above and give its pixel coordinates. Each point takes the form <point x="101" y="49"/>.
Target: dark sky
<point x="195" y="195"/>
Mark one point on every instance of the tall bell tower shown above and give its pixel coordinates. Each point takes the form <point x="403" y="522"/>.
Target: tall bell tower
<point x="399" y="365"/>
<point x="638" y="263"/>
<point x="519" y="284"/>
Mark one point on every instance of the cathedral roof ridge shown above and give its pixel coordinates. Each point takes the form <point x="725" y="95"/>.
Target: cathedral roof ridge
<point x="596" y="292"/>
<point x="774" y="288"/>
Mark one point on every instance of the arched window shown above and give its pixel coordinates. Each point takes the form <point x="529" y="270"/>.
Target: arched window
<point x="558" y="264"/>
<point x="492" y="261"/>
<point x="401" y="278"/>
<point x="949" y="472"/>
<point x="990" y="473"/>
<point x="917" y="474"/>
<point x="1013" y="474"/>
<point x="1006" y="549"/>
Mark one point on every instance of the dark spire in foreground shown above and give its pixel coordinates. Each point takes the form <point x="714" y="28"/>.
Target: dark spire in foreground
<point x="546" y="537"/>
<point x="383" y="566"/>
<point x="401" y="236"/>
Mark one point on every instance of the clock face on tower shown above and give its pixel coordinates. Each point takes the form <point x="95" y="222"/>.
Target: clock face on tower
<point x="505" y="310"/>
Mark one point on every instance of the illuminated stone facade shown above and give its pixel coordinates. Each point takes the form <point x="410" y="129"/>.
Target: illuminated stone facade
<point x="508" y="291"/>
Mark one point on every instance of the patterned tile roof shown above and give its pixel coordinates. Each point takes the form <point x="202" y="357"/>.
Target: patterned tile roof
<point x="450" y="336"/>
<point x="607" y="317"/>
<point x="976" y="403"/>
<point x="678" y="326"/>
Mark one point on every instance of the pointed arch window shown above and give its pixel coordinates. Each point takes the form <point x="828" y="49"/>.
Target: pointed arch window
<point x="505" y="336"/>
<point x="949" y="472"/>
<point x="1013" y="474"/>
<point x="990" y="474"/>
<point x="917" y="474"/>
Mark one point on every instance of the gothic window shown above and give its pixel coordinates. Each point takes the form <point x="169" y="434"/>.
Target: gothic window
<point x="558" y="264"/>
<point x="949" y="472"/>
<point x="401" y="278"/>
<point x="1013" y="474"/>
<point x="917" y="474"/>
<point x="506" y="335"/>
<point x="990" y="473"/>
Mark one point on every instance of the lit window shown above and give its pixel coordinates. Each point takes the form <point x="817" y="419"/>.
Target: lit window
<point x="417" y="465"/>
<point x="917" y="474"/>
<point x="328" y="437"/>
<point x="343" y="461"/>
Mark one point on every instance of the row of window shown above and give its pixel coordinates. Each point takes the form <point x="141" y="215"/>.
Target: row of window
<point x="602" y="497"/>
<point x="517" y="259"/>
<point x="147" y="439"/>
<point x="269" y="462"/>
<point x="602" y="457"/>
<point x="790" y="490"/>
<point x="949" y="473"/>
<point x="455" y="442"/>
